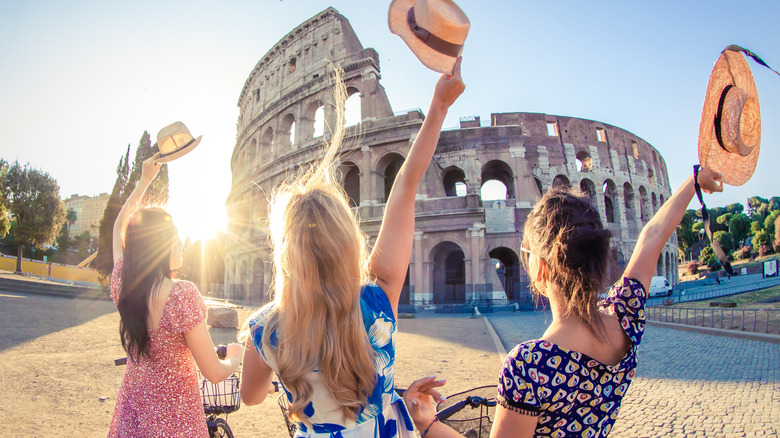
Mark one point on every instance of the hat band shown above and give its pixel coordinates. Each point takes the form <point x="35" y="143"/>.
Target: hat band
<point x="719" y="117"/>
<point x="178" y="150"/>
<point x="431" y="40"/>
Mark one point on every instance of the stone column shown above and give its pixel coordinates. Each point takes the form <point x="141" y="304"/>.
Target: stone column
<point x="477" y="232"/>
<point x="420" y="292"/>
<point x="367" y="177"/>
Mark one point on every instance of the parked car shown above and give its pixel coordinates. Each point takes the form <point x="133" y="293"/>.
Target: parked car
<point x="660" y="287"/>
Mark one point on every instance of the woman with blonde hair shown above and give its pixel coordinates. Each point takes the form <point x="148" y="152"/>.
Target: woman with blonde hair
<point x="329" y="332"/>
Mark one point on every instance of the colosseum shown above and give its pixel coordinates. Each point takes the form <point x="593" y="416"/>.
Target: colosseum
<point x="465" y="247"/>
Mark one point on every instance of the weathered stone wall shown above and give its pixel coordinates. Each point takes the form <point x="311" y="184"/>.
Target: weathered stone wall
<point x="465" y="249"/>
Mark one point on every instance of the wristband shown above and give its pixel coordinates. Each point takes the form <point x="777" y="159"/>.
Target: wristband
<point x="435" y="419"/>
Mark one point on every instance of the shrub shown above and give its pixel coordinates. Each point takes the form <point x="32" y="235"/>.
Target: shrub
<point x="714" y="265"/>
<point x="693" y="268"/>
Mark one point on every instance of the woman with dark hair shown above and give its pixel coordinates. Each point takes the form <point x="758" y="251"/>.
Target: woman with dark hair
<point x="573" y="379"/>
<point x="162" y="328"/>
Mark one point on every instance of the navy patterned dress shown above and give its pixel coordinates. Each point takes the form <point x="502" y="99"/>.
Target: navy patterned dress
<point x="571" y="393"/>
<point x="385" y="415"/>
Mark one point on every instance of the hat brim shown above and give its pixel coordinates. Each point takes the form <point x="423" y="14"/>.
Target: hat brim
<point x="179" y="153"/>
<point x="730" y="69"/>
<point x="397" y="21"/>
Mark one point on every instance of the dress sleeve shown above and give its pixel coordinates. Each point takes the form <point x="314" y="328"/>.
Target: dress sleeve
<point x="518" y="386"/>
<point x="188" y="309"/>
<point x="626" y="300"/>
<point x="116" y="280"/>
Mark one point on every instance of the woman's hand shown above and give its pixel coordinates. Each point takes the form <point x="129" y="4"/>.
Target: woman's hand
<point x="709" y="180"/>
<point x="150" y="168"/>
<point x="419" y="400"/>
<point x="448" y="88"/>
<point x="234" y="353"/>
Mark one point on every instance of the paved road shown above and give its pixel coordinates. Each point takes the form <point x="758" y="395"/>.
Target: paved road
<point x="688" y="384"/>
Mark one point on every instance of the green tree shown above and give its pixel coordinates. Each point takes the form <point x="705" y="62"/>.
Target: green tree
<point x="34" y="201"/>
<point x="128" y="175"/>
<point x="697" y="227"/>
<point x="5" y="220"/>
<point x="685" y="234"/>
<point x="739" y="227"/>
<point x="63" y="240"/>
<point x="724" y="239"/>
<point x="706" y="255"/>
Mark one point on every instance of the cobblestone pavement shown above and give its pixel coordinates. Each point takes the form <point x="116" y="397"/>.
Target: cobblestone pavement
<point x="687" y="384"/>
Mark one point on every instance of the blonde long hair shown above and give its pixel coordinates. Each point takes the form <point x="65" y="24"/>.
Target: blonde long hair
<point x="320" y="264"/>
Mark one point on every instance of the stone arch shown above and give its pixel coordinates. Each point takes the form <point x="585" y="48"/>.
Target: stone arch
<point x="448" y="280"/>
<point x="651" y="176"/>
<point x="628" y="202"/>
<point x="386" y="170"/>
<point x="561" y="181"/>
<point x="644" y="204"/>
<point x="454" y="181"/>
<point x="538" y="185"/>
<point x="667" y="272"/>
<point x="266" y="144"/>
<point x="610" y="195"/>
<point x="251" y="155"/>
<point x="258" y="280"/>
<point x="509" y="271"/>
<point x="286" y="134"/>
<point x="654" y="201"/>
<point x="589" y="188"/>
<point x="239" y="293"/>
<point x="661" y="200"/>
<point x="584" y="162"/>
<point x="352" y="107"/>
<point x="659" y="266"/>
<point x="499" y="171"/>
<point x="313" y="120"/>
<point x="350" y="180"/>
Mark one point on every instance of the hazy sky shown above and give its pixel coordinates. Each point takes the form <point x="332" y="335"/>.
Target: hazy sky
<point x="81" y="80"/>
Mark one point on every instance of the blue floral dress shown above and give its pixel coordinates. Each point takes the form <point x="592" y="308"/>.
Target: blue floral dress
<point x="570" y="392"/>
<point x="385" y="415"/>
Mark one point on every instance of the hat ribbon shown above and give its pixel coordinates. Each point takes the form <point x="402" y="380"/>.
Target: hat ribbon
<point x="736" y="48"/>
<point x="705" y="217"/>
<point x="178" y="149"/>
<point x="431" y="40"/>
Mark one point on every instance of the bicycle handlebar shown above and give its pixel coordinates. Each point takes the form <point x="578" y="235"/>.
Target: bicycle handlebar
<point x="472" y="401"/>
<point x="221" y="353"/>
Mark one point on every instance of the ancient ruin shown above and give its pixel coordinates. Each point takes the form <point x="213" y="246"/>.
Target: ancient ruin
<point x="466" y="249"/>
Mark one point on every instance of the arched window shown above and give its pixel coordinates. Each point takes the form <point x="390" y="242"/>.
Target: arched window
<point x="387" y="169"/>
<point x="644" y="204"/>
<point x="266" y="144"/>
<point x="454" y="181"/>
<point x="635" y="149"/>
<point x="561" y="181"/>
<point x="352" y="110"/>
<point x="538" y="184"/>
<point x="313" y="121"/>
<point x="609" y="198"/>
<point x="654" y="201"/>
<point x="584" y="162"/>
<point x="628" y="199"/>
<point x="500" y="172"/>
<point x="351" y="182"/>
<point x="589" y="188"/>
<point x="287" y="131"/>
<point x="449" y="274"/>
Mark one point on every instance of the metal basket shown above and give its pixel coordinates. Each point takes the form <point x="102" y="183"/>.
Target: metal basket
<point x="475" y="411"/>
<point x="222" y="397"/>
<point x="292" y="427"/>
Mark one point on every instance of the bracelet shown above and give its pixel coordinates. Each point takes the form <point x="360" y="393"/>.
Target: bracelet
<point x="435" y="419"/>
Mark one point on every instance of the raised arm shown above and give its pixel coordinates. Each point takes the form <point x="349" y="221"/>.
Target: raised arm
<point x="149" y="170"/>
<point x="655" y="234"/>
<point x="389" y="259"/>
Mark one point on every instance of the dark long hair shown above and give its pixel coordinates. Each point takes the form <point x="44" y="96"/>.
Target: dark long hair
<point x="565" y="231"/>
<point x="148" y="242"/>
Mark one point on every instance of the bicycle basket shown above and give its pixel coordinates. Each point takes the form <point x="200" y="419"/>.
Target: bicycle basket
<point x="283" y="404"/>
<point x="469" y="412"/>
<point x="222" y="397"/>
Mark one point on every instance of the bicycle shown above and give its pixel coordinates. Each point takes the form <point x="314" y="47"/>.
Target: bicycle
<point x="469" y="423"/>
<point x="221" y="398"/>
<point x="452" y="411"/>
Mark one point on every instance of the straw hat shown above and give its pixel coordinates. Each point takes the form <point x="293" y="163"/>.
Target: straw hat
<point x="175" y="141"/>
<point x="730" y="128"/>
<point x="435" y="30"/>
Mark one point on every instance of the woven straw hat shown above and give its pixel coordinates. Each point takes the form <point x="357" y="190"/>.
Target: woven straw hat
<point x="730" y="128"/>
<point x="174" y="142"/>
<point x="435" y="30"/>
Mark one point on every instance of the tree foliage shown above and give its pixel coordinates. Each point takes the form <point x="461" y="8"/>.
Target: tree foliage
<point x="33" y="198"/>
<point x="128" y="173"/>
<point x="685" y="233"/>
<point x="724" y="239"/>
<point x="739" y="227"/>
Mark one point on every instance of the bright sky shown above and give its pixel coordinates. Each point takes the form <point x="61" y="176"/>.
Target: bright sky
<point x="81" y="80"/>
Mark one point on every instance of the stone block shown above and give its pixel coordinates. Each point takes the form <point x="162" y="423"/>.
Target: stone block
<point x="222" y="317"/>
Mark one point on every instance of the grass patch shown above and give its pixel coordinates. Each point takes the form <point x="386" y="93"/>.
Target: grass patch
<point x="747" y="299"/>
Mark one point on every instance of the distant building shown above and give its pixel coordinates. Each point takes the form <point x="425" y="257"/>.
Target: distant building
<point x="89" y="212"/>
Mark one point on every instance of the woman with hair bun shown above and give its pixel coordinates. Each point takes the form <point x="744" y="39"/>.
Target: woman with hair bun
<point x="572" y="380"/>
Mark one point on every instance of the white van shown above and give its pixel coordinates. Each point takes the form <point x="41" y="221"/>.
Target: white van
<point x="660" y="287"/>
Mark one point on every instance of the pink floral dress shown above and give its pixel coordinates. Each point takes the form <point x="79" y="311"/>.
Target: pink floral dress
<point x="160" y="395"/>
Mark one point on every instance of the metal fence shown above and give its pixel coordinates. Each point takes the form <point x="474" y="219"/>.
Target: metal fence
<point x="753" y="320"/>
<point x="719" y="291"/>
